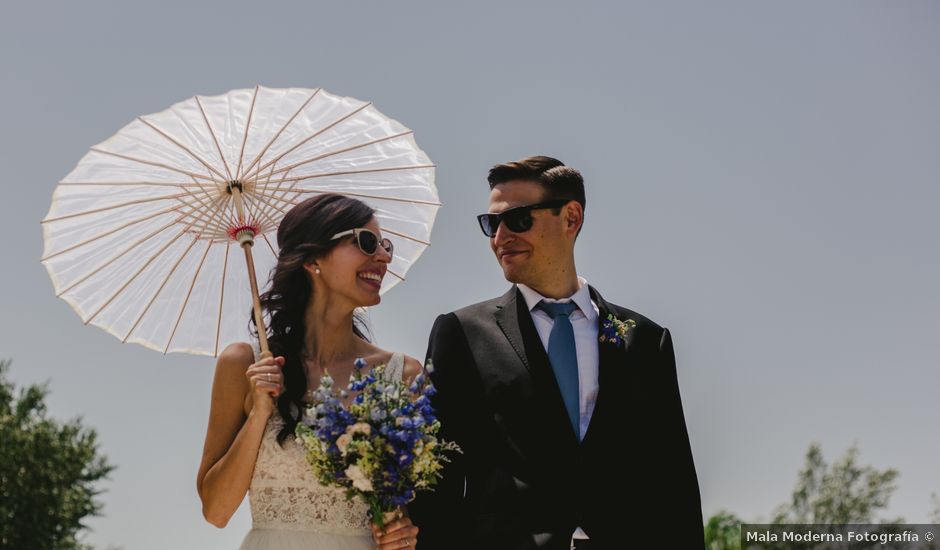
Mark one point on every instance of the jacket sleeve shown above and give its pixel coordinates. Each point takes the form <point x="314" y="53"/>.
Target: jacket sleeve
<point x="441" y="514"/>
<point x="688" y="520"/>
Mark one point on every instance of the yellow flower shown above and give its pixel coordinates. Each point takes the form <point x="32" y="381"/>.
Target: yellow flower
<point x="343" y="442"/>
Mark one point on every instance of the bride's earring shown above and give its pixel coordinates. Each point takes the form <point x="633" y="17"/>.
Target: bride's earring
<point x="317" y="271"/>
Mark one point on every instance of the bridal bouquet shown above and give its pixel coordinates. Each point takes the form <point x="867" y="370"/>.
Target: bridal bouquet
<point x="383" y="448"/>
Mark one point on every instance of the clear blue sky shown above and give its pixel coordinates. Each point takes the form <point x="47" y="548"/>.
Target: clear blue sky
<point x="762" y="179"/>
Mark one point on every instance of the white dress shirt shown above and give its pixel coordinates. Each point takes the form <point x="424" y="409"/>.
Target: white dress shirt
<point x="584" y="323"/>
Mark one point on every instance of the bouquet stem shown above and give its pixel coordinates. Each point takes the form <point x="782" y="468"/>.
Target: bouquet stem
<point x="381" y="518"/>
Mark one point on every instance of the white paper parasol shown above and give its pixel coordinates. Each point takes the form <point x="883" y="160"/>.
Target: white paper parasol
<point x="142" y="236"/>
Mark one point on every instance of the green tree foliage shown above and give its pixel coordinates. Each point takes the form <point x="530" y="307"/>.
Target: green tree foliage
<point x="723" y="532"/>
<point x="838" y="493"/>
<point x="48" y="472"/>
<point x="844" y="492"/>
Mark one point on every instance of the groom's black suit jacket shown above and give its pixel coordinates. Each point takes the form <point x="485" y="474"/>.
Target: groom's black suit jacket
<point x="524" y="481"/>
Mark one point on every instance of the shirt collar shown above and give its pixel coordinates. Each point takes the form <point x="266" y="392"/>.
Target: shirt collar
<point x="581" y="298"/>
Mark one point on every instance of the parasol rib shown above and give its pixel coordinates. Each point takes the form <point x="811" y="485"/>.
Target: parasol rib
<point x="320" y="191"/>
<point x="153" y="163"/>
<point x="196" y="210"/>
<point x="192" y="285"/>
<point x="364" y="171"/>
<point x="341" y="151"/>
<point x="265" y="237"/>
<point x="404" y="236"/>
<point x="215" y="140"/>
<point x="125" y="183"/>
<point x="140" y="270"/>
<point x="160" y="289"/>
<point x="174" y="141"/>
<point x="113" y="206"/>
<point x="112" y="231"/>
<point x="212" y="212"/>
<point x="260" y="212"/>
<point x="308" y="138"/>
<point x="277" y="189"/>
<point x="276" y="198"/>
<point x="123" y="252"/>
<point x="167" y="278"/>
<point x="218" y="325"/>
<point x="241" y="154"/>
<point x="279" y="132"/>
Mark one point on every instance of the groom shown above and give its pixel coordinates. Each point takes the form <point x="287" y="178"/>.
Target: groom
<point x="571" y="424"/>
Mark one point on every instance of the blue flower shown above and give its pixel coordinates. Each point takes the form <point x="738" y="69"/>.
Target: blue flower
<point x="395" y="419"/>
<point x="405" y="422"/>
<point x="615" y="331"/>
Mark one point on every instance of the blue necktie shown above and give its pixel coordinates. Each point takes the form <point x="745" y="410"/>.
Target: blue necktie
<point x="564" y="358"/>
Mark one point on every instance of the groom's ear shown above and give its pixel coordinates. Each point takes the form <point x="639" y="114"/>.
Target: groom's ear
<point x="574" y="216"/>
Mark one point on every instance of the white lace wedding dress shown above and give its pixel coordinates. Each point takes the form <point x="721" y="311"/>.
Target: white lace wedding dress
<point x="291" y="510"/>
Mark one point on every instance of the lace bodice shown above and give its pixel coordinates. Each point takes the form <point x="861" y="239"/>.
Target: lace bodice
<point x="284" y="493"/>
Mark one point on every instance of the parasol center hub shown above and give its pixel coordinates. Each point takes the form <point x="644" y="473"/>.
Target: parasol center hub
<point x="245" y="236"/>
<point x="244" y="233"/>
<point x="234" y="184"/>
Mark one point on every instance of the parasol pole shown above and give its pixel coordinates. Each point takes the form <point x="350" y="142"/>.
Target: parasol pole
<point x="245" y="233"/>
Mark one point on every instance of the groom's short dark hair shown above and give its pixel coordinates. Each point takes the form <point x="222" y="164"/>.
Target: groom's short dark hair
<point x="558" y="180"/>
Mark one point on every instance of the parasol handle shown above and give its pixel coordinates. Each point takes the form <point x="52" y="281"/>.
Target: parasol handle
<point x="245" y="235"/>
<point x="256" y="301"/>
<point x="256" y="304"/>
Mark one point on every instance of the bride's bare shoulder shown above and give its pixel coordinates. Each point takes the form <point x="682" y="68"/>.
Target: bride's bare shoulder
<point x="237" y="356"/>
<point x="413" y="368"/>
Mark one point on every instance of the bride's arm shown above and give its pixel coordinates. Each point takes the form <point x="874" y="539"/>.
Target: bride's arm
<point x="234" y="437"/>
<point x="411" y="370"/>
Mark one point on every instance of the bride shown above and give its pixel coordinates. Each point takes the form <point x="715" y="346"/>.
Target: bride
<point x="332" y="259"/>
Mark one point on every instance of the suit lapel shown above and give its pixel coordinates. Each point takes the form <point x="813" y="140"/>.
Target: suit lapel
<point x="507" y="317"/>
<point x="610" y="357"/>
<point x="515" y="320"/>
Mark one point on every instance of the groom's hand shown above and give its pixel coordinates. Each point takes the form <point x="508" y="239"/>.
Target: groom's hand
<point x="398" y="534"/>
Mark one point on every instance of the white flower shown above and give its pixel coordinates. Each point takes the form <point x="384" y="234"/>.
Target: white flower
<point x="343" y="442"/>
<point x="360" y="481"/>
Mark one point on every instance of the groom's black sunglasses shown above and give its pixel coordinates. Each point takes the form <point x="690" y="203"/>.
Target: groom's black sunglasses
<point x="518" y="219"/>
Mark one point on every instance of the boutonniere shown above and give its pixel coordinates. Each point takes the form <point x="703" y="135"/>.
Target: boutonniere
<point x="615" y="331"/>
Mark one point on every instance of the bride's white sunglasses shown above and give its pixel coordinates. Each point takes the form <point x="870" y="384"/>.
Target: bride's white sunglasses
<point x="368" y="241"/>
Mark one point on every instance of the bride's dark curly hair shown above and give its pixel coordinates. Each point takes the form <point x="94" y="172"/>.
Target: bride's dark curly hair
<point x="303" y="237"/>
